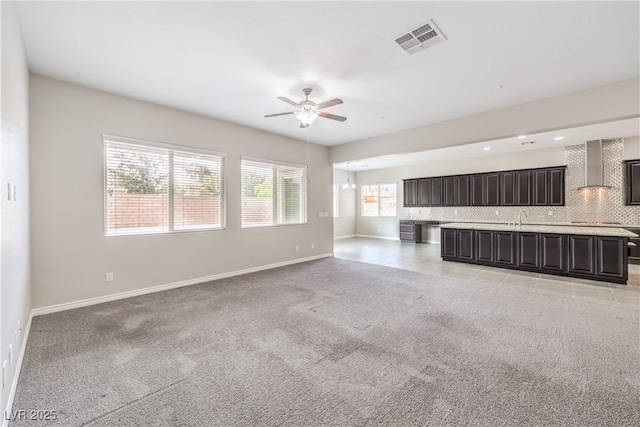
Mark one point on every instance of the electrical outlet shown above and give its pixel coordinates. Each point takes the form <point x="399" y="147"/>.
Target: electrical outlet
<point x="550" y="213"/>
<point x="455" y="212"/>
<point x="313" y="246"/>
<point x="497" y="212"/>
<point x="319" y="214"/>
<point x="109" y="277"/>
<point x="297" y="248"/>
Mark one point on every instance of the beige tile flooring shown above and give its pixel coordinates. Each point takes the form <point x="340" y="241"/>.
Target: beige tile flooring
<point x="426" y="258"/>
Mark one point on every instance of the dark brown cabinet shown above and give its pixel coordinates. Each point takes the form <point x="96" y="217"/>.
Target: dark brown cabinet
<point x="508" y="188"/>
<point x="505" y="247"/>
<point x="477" y="190"/>
<point x="462" y="190"/>
<point x="410" y="232"/>
<point x="424" y="192"/>
<point x="449" y="190"/>
<point x="436" y="191"/>
<point x="603" y="258"/>
<point x="410" y="193"/>
<point x="632" y="182"/>
<point x="556" y="186"/>
<point x="538" y="187"/>
<point x="634" y="247"/>
<point x="540" y="180"/>
<point x="448" y="242"/>
<point x="529" y="250"/>
<point x="611" y="257"/>
<point x="523" y="188"/>
<point x="465" y="249"/>
<point x="484" y="246"/>
<point x="582" y="254"/>
<point x="552" y="253"/>
<point x="491" y="186"/>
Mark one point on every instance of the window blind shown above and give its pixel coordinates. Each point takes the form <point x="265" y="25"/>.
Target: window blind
<point x="152" y="189"/>
<point x="272" y="194"/>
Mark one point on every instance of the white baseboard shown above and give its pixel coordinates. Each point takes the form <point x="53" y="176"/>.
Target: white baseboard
<point x="16" y="376"/>
<point x="128" y="294"/>
<point x="377" y="237"/>
<point x="348" y="236"/>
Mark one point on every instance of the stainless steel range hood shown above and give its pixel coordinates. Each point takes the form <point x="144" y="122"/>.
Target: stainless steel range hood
<point x="593" y="165"/>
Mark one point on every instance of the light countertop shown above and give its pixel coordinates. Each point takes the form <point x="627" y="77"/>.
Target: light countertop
<point x="535" y="228"/>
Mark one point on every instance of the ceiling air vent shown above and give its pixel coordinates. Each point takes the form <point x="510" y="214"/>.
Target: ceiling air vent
<point x="426" y="35"/>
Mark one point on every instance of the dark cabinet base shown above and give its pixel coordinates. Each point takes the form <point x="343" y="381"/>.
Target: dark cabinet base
<point x="600" y="258"/>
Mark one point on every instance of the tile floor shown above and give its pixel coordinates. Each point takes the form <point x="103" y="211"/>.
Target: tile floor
<point x="426" y="258"/>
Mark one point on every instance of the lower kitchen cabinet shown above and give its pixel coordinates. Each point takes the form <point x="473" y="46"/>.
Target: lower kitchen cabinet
<point x="634" y="247"/>
<point x="603" y="258"/>
<point x="610" y="257"/>
<point x="484" y="246"/>
<point x="582" y="253"/>
<point x="410" y="232"/>
<point x="529" y="250"/>
<point x="505" y="247"/>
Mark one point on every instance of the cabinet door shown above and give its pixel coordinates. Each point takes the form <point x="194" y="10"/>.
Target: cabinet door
<point x="556" y="187"/>
<point x="540" y="187"/>
<point x="462" y="190"/>
<point x="632" y="182"/>
<point x="424" y="192"/>
<point x="523" y="188"/>
<point x="410" y="197"/>
<point x="465" y="244"/>
<point x="436" y="191"/>
<point x="529" y="250"/>
<point x="612" y="257"/>
<point x="491" y="185"/>
<point x="449" y="190"/>
<point x="505" y="247"/>
<point x="448" y="242"/>
<point x="477" y="190"/>
<point x="582" y="254"/>
<point x="508" y="188"/>
<point x="484" y="246"/>
<point x="552" y="253"/>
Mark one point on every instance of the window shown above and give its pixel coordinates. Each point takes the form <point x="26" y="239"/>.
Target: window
<point x="379" y="200"/>
<point x="336" y="200"/>
<point x="273" y="193"/>
<point x="159" y="188"/>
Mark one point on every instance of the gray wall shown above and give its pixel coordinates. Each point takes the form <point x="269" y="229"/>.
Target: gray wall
<point x="345" y="224"/>
<point x="15" y="296"/>
<point x="70" y="253"/>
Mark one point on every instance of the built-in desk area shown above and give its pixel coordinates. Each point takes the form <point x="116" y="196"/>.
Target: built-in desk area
<point x="411" y="230"/>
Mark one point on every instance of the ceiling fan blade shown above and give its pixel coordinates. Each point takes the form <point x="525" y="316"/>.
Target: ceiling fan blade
<point x="332" y="116"/>
<point x="287" y="100"/>
<point x="278" y="114"/>
<point x="329" y="103"/>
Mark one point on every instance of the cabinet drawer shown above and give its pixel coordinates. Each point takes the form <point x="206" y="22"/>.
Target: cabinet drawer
<point x="406" y="228"/>
<point x="407" y="236"/>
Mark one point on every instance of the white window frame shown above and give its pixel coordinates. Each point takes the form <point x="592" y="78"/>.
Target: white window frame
<point x="378" y="215"/>
<point x="277" y="212"/>
<point x="170" y="147"/>
<point x="336" y="200"/>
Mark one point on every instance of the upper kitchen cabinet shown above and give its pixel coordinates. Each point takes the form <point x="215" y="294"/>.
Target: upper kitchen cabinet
<point x="424" y="192"/>
<point x="450" y="190"/>
<point x="508" y="188"/>
<point x="462" y="190"/>
<point x="632" y="182"/>
<point x="523" y="188"/>
<point x="540" y="180"/>
<point x="436" y="191"/>
<point x="556" y="186"/>
<point x="491" y="186"/>
<point x="410" y="193"/>
<point x="477" y="190"/>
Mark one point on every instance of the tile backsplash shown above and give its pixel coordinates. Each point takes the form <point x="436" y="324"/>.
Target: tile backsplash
<point x="590" y="205"/>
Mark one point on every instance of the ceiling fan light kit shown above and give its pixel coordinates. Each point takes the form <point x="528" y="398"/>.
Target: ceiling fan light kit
<point x="308" y="111"/>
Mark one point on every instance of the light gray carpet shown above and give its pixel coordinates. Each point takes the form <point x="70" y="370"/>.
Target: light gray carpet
<point x="335" y="342"/>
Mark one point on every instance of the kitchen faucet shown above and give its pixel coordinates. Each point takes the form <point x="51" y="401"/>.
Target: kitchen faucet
<point x="520" y="217"/>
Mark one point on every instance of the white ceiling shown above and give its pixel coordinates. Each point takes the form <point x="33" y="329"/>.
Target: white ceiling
<point x="230" y="60"/>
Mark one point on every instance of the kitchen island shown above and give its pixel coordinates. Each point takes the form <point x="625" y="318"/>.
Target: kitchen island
<point x="596" y="253"/>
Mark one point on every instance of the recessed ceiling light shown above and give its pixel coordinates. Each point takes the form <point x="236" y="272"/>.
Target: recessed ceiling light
<point x="487" y="148"/>
<point x="522" y="136"/>
<point x="558" y="138"/>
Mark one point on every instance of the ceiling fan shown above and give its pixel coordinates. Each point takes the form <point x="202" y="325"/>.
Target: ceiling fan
<point x="308" y="111"/>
